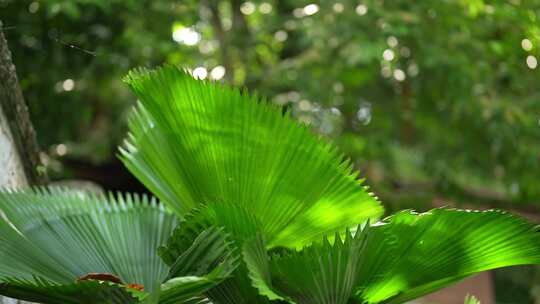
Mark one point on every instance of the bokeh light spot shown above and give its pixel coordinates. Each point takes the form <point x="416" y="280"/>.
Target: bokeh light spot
<point x="532" y="62"/>
<point x="526" y="44"/>
<point x="392" y="41"/>
<point x="200" y="73"/>
<point x="388" y="55"/>
<point x="361" y="9"/>
<point x="265" y="8"/>
<point x="33" y="7"/>
<point x="311" y="9"/>
<point x="186" y="35"/>
<point x="281" y="36"/>
<point x="338" y="7"/>
<point x="217" y="72"/>
<point x="68" y="85"/>
<point x="399" y="75"/>
<point x="61" y="149"/>
<point x="247" y="8"/>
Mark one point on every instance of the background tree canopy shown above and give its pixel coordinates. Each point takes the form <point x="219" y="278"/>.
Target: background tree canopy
<point x="433" y="100"/>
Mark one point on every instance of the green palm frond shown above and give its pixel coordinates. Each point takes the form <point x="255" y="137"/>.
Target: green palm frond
<point x="258" y="265"/>
<point x="404" y="257"/>
<point x="240" y="226"/>
<point x="43" y="291"/>
<point x="187" y="289"/>
<point x="255" y="193"/>
<point x="429" y="251"/>
<point x="209" y="250"/>
<point x="61" y="236"/>
<point x="319" y="274"/>
<point x="194" y="142"/>
<point x="198" y="226"/>
<point x="204" y="265"/>
<point x="200" y="257"/>
<point x="51" y="238"/>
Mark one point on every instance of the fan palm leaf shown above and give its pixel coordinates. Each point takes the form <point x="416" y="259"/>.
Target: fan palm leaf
<point x="273" y="185"/>
<point x="431" y="250"/>
<point x="255" y="193"/>
<point x="67" y="247"/>
<point x="240" y="225"/>
<point x="43" y="291"/>
<point x="324" y="272"/>
<point x="192" y="142"/>
<point x="399" y="259"/>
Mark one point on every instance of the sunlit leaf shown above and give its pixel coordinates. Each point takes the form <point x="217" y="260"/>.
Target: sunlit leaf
<point x="321" y="273"/>
<point x="429" y="251"/>
<point x="194" y="142"/>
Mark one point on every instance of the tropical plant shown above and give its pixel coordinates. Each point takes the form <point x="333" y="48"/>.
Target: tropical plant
<point x="254" y="208"/>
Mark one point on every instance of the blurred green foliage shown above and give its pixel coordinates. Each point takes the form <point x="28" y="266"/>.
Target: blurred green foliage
<point x="430" y="98"/>
<point x="433" y="100"/>
<point x="440" y="91"/>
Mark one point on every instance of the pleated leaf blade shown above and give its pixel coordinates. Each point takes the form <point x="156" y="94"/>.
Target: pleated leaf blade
<point x="194" y="142"/>
<point x="208" y="223"/>
<point x="429" y="251"/>
<point x="52" y="238"/>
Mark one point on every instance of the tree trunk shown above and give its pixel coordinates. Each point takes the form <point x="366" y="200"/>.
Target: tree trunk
<point x="19" y="154"/>
<point x="16" y="127"/>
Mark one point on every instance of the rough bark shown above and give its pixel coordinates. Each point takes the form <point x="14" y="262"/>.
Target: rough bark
<point x="15" y="113"/>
